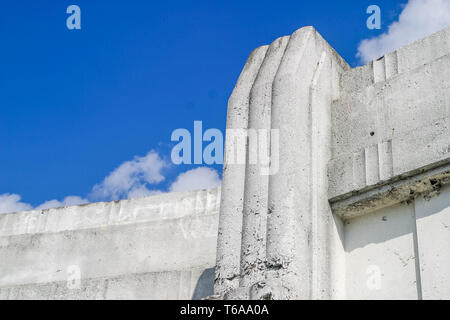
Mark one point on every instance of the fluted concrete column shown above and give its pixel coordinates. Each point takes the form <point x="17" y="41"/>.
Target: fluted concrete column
<point x="293" y="192"/>
<point x="233" y="179"/>
<point x="286" y="239"/>
<point x="289" y="222"/>
<point x="253" y="250"/>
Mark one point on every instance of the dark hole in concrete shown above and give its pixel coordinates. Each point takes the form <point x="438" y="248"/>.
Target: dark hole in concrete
<point x="205" y="285"/>
<point x="267" y="296"/>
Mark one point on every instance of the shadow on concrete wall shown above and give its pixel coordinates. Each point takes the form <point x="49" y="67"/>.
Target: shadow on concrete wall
<point x="392" y="222"/>
<point x="205" y="285"/>
<point x="379" y="226"/>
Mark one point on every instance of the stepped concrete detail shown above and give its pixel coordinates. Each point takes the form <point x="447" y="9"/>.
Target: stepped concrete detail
<point x="352" y="202"/>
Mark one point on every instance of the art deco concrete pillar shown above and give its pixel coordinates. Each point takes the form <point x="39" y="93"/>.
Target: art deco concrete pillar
<point x="344" y="143"/>
<point x="287" y="88"/>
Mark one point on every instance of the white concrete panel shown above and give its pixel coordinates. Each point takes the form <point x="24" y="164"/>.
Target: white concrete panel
<point x="433" y="233"/>
<point x="380" y="260"/>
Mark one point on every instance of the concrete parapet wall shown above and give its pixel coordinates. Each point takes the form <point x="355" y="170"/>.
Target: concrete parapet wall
<point x="384" y="128"/>
<point x="169" y="239"/>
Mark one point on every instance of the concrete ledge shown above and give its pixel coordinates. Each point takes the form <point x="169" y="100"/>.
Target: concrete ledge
<point x="426" y="182"/>
<point x="162" y="207"/>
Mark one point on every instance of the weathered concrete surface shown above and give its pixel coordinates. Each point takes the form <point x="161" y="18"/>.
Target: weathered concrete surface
<point x="150" y="248"/>
<point x="233" y="177"/>
<point x="253" y="248"/>
<point x="433" y="235"/>
<point x="401" y="251"/>
<point x="298" y="74"/>
<point x="354" y="145"/>
<point x="383" y="128"/>
<point x="425" y="183"/>
<point x="289" y="250"/>
<point x="190" y="284"/>
<point x="357" y="208"/>
<point x="380" y="257"/>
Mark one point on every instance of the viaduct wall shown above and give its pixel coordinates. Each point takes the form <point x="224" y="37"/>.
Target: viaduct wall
<point x="159" y="247"/>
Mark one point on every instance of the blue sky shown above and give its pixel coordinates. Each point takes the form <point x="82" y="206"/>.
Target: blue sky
<point x="77" y="104"/>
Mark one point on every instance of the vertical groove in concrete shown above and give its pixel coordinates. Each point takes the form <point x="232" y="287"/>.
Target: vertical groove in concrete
<point x="385" y="159"/>
<point x="230" y="221"/>
<point x="359" y="169"/>
<point x="372" y="164"/>
<point x="391" y="64"/>
<point x="256" y="180"/>
<point x="416" y="254"/>
<point x="379" y="70"/>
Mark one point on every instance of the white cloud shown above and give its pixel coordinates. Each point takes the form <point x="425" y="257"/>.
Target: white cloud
<point x="140" y="192"/>
<point x="196" y="179"/>
<point x="12" y="203"/>
<point x="418" y="19"/>
<point x="131" y="178"/>
<point x="68" y="201"/>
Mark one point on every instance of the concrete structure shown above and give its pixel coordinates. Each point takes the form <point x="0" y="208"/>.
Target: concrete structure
<point x="362" y="152"/>
<point x="358" y="206"/>
<point x="160" y="247"/>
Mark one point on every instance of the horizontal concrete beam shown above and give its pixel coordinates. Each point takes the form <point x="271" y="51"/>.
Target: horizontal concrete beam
<point x="425" y="182"/>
